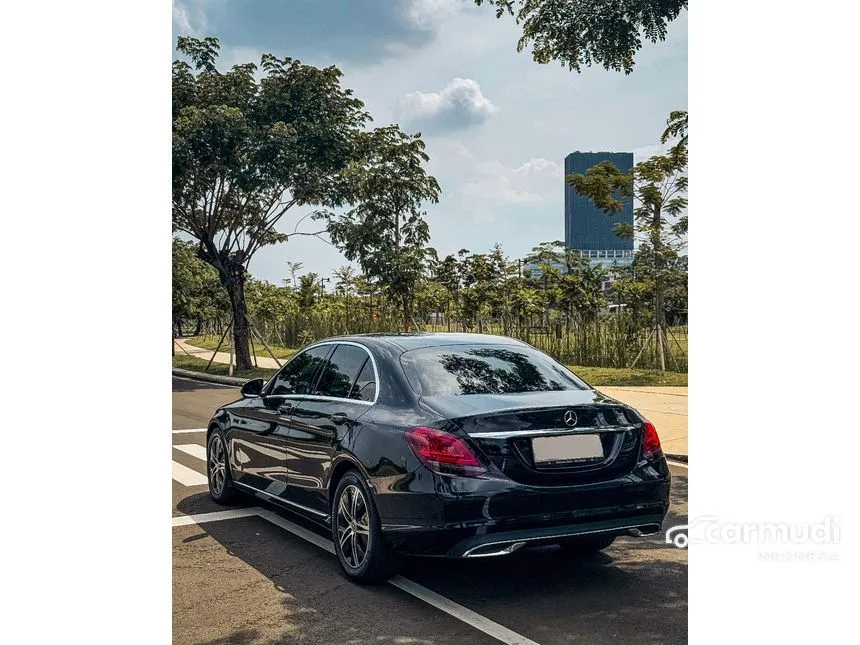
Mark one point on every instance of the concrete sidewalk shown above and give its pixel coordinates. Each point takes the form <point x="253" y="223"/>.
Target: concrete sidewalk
<point x="665" y="407"/>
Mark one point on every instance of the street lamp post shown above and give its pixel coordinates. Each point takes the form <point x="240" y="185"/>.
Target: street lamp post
<point x="322" y="286"/>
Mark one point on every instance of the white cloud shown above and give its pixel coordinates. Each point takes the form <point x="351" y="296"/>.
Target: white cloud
<point x="536" y="181"/>
<point x="458" y="105"/>
<point x="646" y="152"/>
<point x="189" y="17"/>
<point x="430" y="14"/>
<point x="537" y="166"/>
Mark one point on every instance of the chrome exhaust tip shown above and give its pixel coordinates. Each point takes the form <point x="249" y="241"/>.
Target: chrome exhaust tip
<point x="490" y="550"/>
<point x="645" y="530"/>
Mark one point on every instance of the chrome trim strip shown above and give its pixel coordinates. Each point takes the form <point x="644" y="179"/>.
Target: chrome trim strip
<point x="335" y="398"/>
<point x="316" y="397"/>
<point x="281" y="499"/>
<point x="547" y="432"/>
<point x="544" y="537"/>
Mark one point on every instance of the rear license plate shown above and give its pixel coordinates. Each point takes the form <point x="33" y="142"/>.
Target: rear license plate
<point x="567" y="447"/>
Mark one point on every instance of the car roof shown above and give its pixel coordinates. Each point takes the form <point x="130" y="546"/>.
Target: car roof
<point x="415" y="340"/>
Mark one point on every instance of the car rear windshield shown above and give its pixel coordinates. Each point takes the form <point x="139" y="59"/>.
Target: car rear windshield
<point x="485" y="369"/>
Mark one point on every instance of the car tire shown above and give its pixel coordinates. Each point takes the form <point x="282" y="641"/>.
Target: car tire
<point x="361" y="549"/>
<point x="218" y="474"/>
<point x="587" y="544"/>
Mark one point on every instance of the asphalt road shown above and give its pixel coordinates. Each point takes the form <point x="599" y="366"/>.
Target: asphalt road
<point x="247" y="580"/>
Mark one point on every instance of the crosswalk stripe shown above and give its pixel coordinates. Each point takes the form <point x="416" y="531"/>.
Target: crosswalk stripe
<point x="188" y="477"/>
<point x="217" y="516"/>
<point x="193" y="449"/>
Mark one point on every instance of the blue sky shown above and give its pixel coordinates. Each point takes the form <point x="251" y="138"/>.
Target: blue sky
<point x="497" y="124"/>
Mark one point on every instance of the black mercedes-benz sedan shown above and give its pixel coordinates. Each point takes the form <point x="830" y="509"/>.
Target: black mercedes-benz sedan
<point x="457" y="445"/>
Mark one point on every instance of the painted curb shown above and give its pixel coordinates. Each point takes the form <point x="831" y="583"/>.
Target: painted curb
<point x="209" y="378"/>
<point x="682" y="458"/>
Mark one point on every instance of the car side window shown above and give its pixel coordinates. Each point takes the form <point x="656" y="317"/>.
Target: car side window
<point x="364" y="388"/>
<point x="341" y="371"/>
<point x="297" y="376"/>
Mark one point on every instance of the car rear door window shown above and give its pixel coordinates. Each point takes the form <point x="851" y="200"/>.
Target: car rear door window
<point x="297" y="376"/>
<point x="340" y="372"/>
<point x="365" y="385"/>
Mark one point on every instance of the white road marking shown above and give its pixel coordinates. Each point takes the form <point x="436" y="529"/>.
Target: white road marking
<point x="217" y="516"/>
<point x="450" y="607"/>
<point x="188" y="477"/>
<point x="193" y="449"/>
<point x="295" y="529"/>
<point x="186" y="430"/>
<point x="499" y="632"/>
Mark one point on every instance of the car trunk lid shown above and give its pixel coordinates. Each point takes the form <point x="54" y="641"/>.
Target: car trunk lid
<point x="553" y="438"/>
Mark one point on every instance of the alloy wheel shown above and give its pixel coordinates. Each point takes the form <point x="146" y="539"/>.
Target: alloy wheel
<point x="353" y="530"/>
<point x="217" y="465"/>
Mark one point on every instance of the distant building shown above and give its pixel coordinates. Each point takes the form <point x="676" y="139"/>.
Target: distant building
<point x="586" y="227"/>
<point x="533" y="269"/>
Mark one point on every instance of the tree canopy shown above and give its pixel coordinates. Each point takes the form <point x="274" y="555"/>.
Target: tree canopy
<point x="386" y="232"/>
<point x="579" y="33"/>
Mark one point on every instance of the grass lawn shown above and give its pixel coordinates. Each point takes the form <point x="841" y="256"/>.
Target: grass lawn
<point x="211" y="342"/>
<point x="198" y="365"/>
<point x="595" y="376"/>
<point x="598" y="376"/>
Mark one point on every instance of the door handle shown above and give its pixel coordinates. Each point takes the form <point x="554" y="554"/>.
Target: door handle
<point x="338" y="417"/>
<point x="285" y="408"/>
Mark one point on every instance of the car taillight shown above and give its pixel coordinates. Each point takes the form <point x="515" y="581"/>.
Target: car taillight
<point x="443" y="452"/>
<point x="650" y="442"/>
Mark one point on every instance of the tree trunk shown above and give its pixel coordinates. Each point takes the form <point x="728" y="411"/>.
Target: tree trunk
<point x="232" y="275"/>
<point x="407" y="314"/>
<point x="234" y="282"/>
<point x="199" y="326"/>
<point x="659" y="314"/>
<point x="240" y="325"/>
<point x="179" y="327"/>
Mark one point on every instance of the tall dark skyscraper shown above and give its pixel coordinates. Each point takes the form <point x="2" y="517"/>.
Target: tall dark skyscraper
<point x="585" y="226"/>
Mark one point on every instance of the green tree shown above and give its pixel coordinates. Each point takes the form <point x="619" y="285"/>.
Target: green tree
<point x="386" y="232"/>
<point x="568" y="281"/>
<point x="293" y="268"/>
<point x="345" y="285"/>
<point x="270" y="306"/>
<point x="658" y="188"/>
<point x="448" y="272"/>
<point x="309" y="290"/>
<point x="246" y="151"/>
<point x="197" y="293"/>
<point x="579" y="33"/>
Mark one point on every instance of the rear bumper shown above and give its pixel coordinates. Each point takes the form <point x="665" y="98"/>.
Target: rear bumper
<point x="493" y="544"/>
<point x="473" y="517"/>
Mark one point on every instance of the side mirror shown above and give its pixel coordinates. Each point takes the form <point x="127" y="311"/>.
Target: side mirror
<point x="252" y="388"/>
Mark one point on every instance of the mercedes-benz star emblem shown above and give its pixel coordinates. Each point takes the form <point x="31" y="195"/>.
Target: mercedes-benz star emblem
<point x="570" y="418"/>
